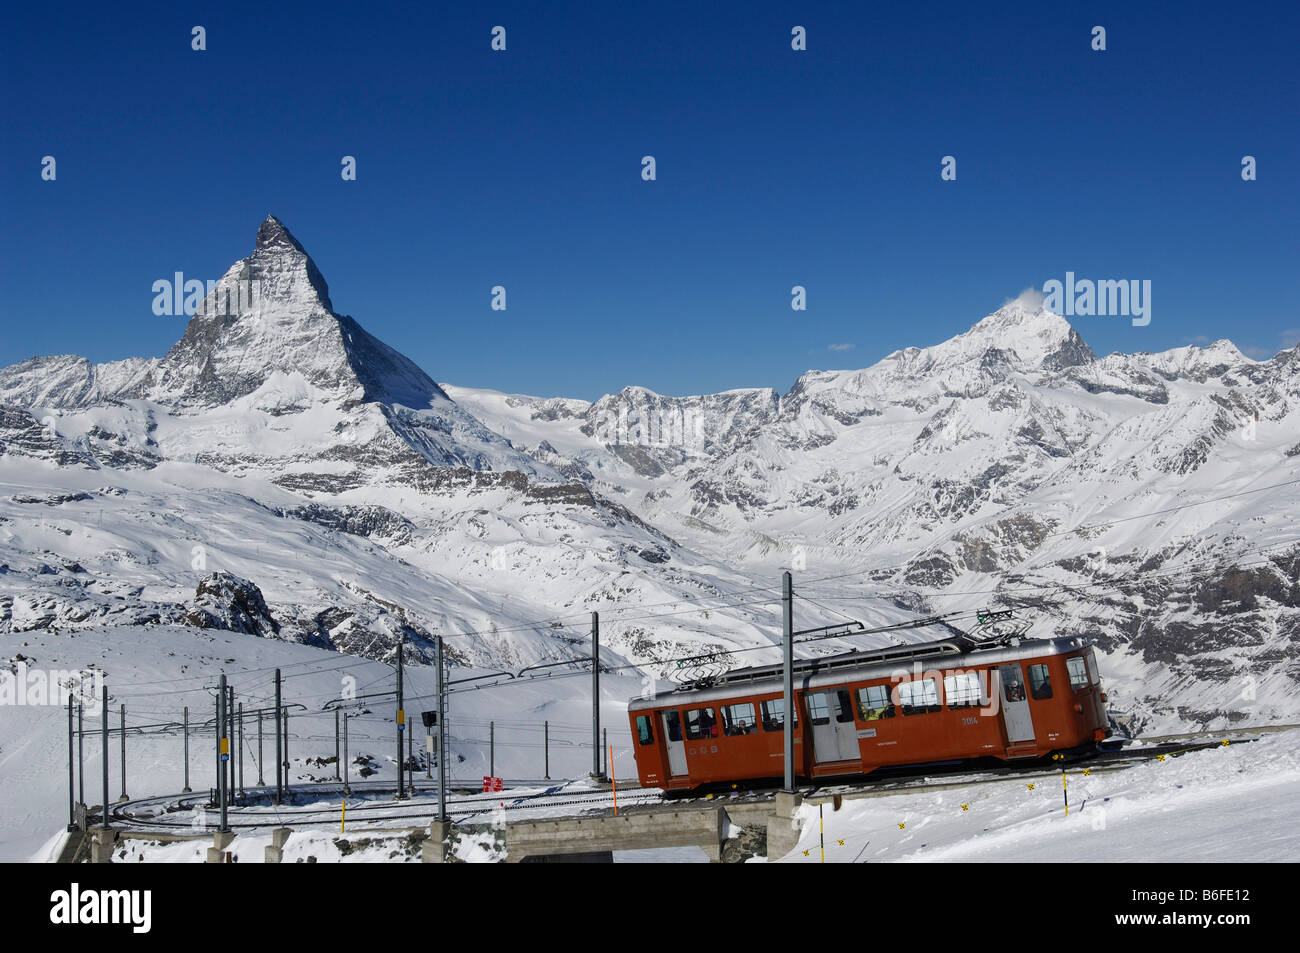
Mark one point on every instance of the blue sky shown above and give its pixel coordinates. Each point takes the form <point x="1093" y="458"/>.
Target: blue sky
<point x="775" y="168"/>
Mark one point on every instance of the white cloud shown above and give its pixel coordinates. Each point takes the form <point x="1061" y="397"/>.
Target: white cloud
<point x="1031" y="299"/>
<point x="839" y="347"/>
<point x="1290" y="337"/>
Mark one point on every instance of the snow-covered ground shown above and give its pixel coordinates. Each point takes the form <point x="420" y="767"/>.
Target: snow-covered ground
<point x="156" y="671"/>
<point x="1226" y="804"/>
<point x="1233" y="803"/>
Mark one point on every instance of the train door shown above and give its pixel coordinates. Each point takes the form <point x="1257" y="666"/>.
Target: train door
<point x="835" y="737"/>
<point x="1015" y="705"/>
<point x="673" y="741"/>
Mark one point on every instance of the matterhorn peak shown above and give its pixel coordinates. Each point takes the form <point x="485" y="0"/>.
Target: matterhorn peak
<point x="272" y="233"/>
<point x="282" y="267"/>
<point x="270" y="316"/>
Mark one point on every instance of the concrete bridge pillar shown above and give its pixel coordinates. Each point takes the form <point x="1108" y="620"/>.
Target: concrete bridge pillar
<point x="101" y="846"/>
<point x="220" y="841"/>
<point x="783" y="829"/>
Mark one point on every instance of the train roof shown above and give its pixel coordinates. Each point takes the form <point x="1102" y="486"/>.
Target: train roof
<point x="863" y="664"/>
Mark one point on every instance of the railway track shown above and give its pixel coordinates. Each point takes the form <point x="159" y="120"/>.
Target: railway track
<point x="371" y="803"/>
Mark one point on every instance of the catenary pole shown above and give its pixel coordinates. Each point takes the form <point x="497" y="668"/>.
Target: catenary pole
<point x="442" y="735"/>
<point x="216" y="740"/>
<point x="347" y="789"/>
<point x="72" y="764"/>
<point x="595" y="695"/>
<point x="401" y="715"/>
<point x="230" y="743"/>
<point x="239" y="741"/>
<point x="103" y="737"/>
<point x="787" y="625"/>
<point x="123" y="722"/>
<point x="284" y="718"/>
<point x="81" y="754"/>
<point x="185" y="730"/>
<point x="223" y="746"/>
<point x="279" y="783"/>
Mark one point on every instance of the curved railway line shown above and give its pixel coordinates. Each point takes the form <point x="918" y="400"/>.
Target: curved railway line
<point x="371" y="803"/>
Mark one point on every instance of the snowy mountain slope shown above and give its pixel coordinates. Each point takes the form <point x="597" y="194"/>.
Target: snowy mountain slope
<point x="1008" y="465"/>
<point x="318" y="469"/>
<point x="985" y="469"/>
<point x="268" y="375"/>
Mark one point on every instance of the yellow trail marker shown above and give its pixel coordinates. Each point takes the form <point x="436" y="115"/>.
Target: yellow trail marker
<point x="807" y="852"/>
<point x="1031" y="787"/>
<point x="901" y="826"/>
<point x="1160" y="757"/>
<point x="1087" y="771"/>
<point x="1224" y="743"/>
<point x="965" y="807"/>
<point x="841" y="840"/>
<point x="343" y="817"/>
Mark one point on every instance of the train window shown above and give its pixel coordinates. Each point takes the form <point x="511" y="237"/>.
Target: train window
<point x="674" y="723"/>
<point x="873" y="703"/>
<point x="819" y="710"/>
<point x="1013" y="690"/>
<point x="644" y="734"/>
<point x="774" y="714"/>
<point x="962" y="690"/>
<point x="1040" y="682"/>
<point x="918" y="696"/>
<point x="1078" y="672"/>
<point x="701" y="723"/>
<point x="1091" y="659"/>
<point x="738" y="719"/>
<point x="843" y="706"/>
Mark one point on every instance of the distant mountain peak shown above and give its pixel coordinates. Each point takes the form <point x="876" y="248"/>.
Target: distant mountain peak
<point x="279" y="263"/>
<point x="273" y="233"/>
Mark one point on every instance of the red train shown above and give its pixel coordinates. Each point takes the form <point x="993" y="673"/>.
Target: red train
<point x="942" y="701"/>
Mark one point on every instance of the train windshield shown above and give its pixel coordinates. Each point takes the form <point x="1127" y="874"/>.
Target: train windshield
<point x="643" y="731"/>
<point x="1078" y="672"/>
<point x="1091" y="658"/>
